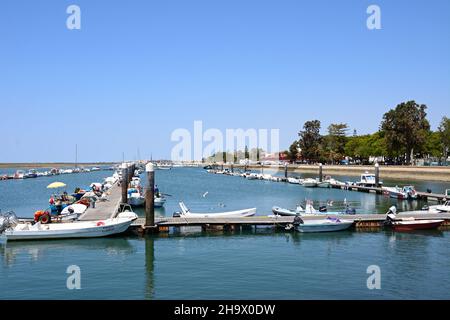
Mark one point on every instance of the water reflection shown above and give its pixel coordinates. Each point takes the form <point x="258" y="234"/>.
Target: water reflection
<point x="37" y="250"/>
<point x="149" y="267"/>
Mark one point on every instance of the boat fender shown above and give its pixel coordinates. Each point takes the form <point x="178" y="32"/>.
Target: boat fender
<point x="100" y="223"/>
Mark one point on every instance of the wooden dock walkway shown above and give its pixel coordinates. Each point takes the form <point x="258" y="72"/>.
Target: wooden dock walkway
<point x="421" y="195"/>
<point x="361" y="220"/>
<point x="105" y="209"/>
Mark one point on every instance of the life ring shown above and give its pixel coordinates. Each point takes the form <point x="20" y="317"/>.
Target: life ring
<point x="45" y="218"/>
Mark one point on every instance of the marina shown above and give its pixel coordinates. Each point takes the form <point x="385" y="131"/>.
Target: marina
<point x="242" y="235"/>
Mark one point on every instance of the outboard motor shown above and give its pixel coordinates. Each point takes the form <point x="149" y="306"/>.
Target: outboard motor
<point x="298" y="220"/>
<point x="8" y="220"/>
<point x="323" y="209"/>
<point x="390" y="215"/>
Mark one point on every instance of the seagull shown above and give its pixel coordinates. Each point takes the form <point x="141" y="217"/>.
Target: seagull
<point x="205" y="194"/>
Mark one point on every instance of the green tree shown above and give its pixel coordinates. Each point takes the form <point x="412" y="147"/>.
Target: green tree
<point x="310" y="140"/>
<point x="405" y="129"/>
<point x="444" y="133"/>
<point x="334" y="142"/>
<point x="293" y="151"/>
<point x="433" y="145"/>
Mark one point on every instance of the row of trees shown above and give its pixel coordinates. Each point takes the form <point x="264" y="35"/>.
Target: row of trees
<point x="404" y="135"/>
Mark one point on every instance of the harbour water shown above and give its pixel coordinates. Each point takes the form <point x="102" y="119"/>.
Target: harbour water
<point x="256" y="264"/>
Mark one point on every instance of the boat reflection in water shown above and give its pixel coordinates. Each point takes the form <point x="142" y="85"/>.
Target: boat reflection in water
<point x="37" y="250"/>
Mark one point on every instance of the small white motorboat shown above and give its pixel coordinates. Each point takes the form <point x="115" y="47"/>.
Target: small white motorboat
<point x="324" y="184"/>
<point x="288" y="212"/>
<point x="135" y="197"/>
<point x="186" y="213"/>
<point x="293" y="180"/>
<point x="310" y="183"/>
<point x="159" y="201"/>
<point x="253" y="176"/>
<point x="322" y="225"/>
<point x="440" y="208"/>
<point x="405" y="193"/>
<point x="12" y="229"/>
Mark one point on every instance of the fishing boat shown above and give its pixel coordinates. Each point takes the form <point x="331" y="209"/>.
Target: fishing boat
<point x="322" y="225"/>
<point x="186" y="213"/>
<point x="410" y="223"/>
<point x="405" y="193"/>
<point x="368" y="180"/>
<point x="12" y="229"/>
<point x="310" y="183"/>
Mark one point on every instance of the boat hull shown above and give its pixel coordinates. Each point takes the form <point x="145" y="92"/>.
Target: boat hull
<point x="285" y="212"/>
<point x="406" y="226"/>
<point x="235" y="214"/>
<point x="311" y="227"/>
<point x="92" y="232"/>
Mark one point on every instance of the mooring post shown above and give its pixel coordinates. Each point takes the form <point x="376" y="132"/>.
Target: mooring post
<point x="232" y="167"/>
<point x="124" y="183"/>
<point x="262" y="169"/>
<point x="377" y="174"/>
<point x="149" y="196"/>
<point x="285" y="170"/>
<point x="320" y="172"/>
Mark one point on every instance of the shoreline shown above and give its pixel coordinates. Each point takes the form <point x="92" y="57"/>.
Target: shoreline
<point x="441" y="174"/>
<point x="52" y="165"/>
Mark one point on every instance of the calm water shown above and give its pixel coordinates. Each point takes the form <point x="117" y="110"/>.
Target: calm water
<point x="257" y="264"/>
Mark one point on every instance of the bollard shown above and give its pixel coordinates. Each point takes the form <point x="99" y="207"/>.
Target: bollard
<point x="377" y="175"/>
<point x="150" y="196"/>
<point x="320" y="172"/>
<point x="124" y="185"/>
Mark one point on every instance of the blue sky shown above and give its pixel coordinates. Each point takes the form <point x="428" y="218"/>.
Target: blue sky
<point x="137" y="70"/>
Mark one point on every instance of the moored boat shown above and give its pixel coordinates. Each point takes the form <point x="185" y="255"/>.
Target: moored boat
<point x="322" y="225"/>
<point x="287" y="212"/>
<point x="405" y="193"/>
<point x="368" y="180"/>
<point x="324" y="184"/>
<point x="310" y="183"/>
<point x="20" y="174"/>
<point x="186" y="213"/>
<point x="445" y="207"/>
<point x="12" y="229"/>
<point x="409" y="223"/>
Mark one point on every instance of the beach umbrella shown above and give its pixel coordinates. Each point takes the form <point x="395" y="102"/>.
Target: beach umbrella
<point x="56" y="185"/>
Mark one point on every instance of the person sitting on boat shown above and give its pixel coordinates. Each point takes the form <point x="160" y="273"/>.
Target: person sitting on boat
<point x="59" y="207"/>
<point x="51" y="201"/>
<point x="157" y="192"/>
<point x="64" y="196"/>
<point x="298" y="220"/>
